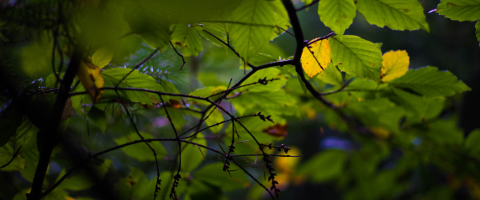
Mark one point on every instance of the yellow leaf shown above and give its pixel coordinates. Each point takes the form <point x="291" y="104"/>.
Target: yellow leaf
<point x="316" y="58"/>
<point x="102" y="57"/>
<point x="395" y="64"/>
<point x="91" y="78"/>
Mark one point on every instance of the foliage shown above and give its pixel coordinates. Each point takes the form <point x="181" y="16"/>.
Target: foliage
<point x="160" y="80"/>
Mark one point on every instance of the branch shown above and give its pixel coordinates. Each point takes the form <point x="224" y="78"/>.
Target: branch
<point x="306" y="6"/>
<point x="52" y="130"/>
<point x="137" y="66"/>
<point x="179" y="54"/>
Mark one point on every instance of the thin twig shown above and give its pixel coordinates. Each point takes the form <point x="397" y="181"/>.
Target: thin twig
<point x="13" y="158"/>
<point x="136" y="66"/>
<point x="179" y="54"/>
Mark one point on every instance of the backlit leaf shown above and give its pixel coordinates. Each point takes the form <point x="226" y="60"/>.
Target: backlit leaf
<point x="252" y="27"/>
<point x="188" y="38"/>
<point x="395" y="64"/>
<point x="337" y="15"/>
<point x="461" y="10"/>
<point x="429" y="81"/>
<point x="315" y="59"/>
<point x="356" y="56"/>
<point x="102" y="57"/>
<point x="331" y="75"/>
<point x="324" y="166"/>
<point x="396" y="14"/>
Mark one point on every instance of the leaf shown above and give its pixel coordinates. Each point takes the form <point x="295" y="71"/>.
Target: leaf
<point x="141" y="151"/>
<point x="98" y="117"/>
<point x="82" y="180"/>
<point x="136" y="80"/>
<point x="337" y="15"/>
<point x="187" y="37"/>
<point x="267" y="74"/>
<point x="81" y="103"/>
<point x="102" y="57"/>
<point x="147" y="19"/>
<point x="274" y="103"/>
<point x="356" y="56"/>
<point x="445" y="132"/>
<point x="324" y="166"/>
<point x="91" y="78"/>
<point x="193" y="11"/>
<point x="472" y="143"/>
<point x="214" y="118"/>
<point x="213" y="174"/>
<point x="193" y="155"/>
<point x="24" y="141"/>
<point x="11" y="118"/>
<point x="251" y="28"/>
<point x="431" y="82"/>
<point x="396" y="14"/>
<point x="461" y="10"/>
<point x="331" y="75"/>
<point x="205" y="92"/>
<point x="315" y="59"/>
<point x="395" y="64"/>
<point x="477" y="31"/>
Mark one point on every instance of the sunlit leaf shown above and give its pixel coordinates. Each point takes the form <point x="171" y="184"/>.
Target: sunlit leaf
<point x="461" y="10"/>
<point x="214" y="118"/>
<point x="337" y="15"/>
<point x="102" y="57"/>
<point x="251" y="28"/>
<point x="429" y="81"/>
<point x="356" y="56"/>
<point x="331" y="75"/>
<point x="188" y="38"/>
<point x="315" y="59"/>
<point x="396" y="14"/>
<point x="395" y="64"/>
<point x="477" y="31"/>
<point x="141" y="151"/>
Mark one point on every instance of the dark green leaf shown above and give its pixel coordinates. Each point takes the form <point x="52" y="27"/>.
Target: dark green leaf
<point x="213" y="174"/>
<point x="141" y="151"/>
<point x="324" y="166"/>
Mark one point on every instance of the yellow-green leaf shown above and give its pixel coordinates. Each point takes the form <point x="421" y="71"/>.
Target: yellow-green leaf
<point x="102" y="57"/>
<point x="316" y="57"/>
<point x="91" y="78"/>
<point x="394" y="65"/>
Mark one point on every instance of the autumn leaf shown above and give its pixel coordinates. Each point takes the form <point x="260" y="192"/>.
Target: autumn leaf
<point x="91" y="78"/>
<point x="277" y="130"/>
<point x="316" y="57"/>
<point x="394" y="65"/>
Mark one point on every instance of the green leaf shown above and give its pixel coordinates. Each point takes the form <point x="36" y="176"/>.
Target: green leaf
<point x="461" y="10"/>
<point x="81" y="180"/>
<point x="213" y="174"/>
<point x="324" y="166"/>
<point x="445" y="132"/>
<point x="147" y="19"/>
<point x="205" y="92"/>
<point x="176" y="116"/>
<point x="396" y="14"/>
<point x="11" y="118"/>
<point x="251" y="27"/>
<point x="24" y="141"/>
<point x="274" y="103"/>
<point x="430" y="82"/>
<point x="377" y="113"/>
<point x="136" y="80"/>
<point x="193" y="11"/>
<point x="102" y="57"/>
<point x="331" y="75"/>
<point x="81" y="103"/>
<point x="98" y="117"/>
<point x="193" y="155"/>
<point x="477" y="31"/>
<point x="472" y="143"/>
<point x="141" y="151"/>
<point x="187" y="37"/>
<point x="356" y="56"/>
<point x="337" y="15"/>
<point x="214" y="118"/>
<point x="268" y="74"/>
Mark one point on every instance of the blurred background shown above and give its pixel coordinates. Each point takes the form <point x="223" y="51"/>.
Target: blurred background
<point x="450" y="45"/>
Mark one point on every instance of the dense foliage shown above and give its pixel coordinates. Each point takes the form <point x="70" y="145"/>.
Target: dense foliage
<point x="188" y="99"/>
